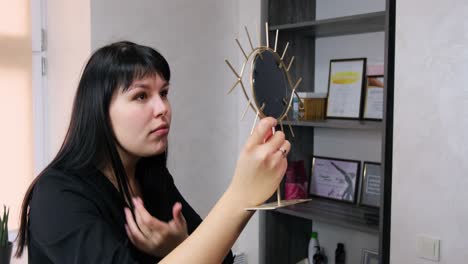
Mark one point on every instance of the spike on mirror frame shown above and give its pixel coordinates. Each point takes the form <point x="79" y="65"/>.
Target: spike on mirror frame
<point x="276" y="40"/>
<point x="242" y="50"/>
<point x="248" y="37"/>
<point x="246" y="109"/>
<point x="290" y="64"/>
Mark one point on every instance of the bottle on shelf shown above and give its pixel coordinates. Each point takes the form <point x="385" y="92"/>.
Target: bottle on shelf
<point x="313" y="247"/>
<point x="340" y="254"/>
<point x="295" y="106"/>
<point x="319" y="257"/>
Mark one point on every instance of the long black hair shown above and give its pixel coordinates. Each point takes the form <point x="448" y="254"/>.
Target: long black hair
<point x="90" y="140"/>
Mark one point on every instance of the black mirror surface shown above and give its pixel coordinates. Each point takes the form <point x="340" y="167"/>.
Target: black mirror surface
<point x="270" y="85"/>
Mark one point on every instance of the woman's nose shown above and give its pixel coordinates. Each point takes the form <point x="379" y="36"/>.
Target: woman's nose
<point x="160" y="107"/>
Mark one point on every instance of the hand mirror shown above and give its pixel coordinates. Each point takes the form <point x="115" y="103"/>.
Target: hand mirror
<point x="271" y="93"/>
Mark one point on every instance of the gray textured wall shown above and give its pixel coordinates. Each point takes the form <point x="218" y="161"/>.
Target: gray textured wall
<point x="430" y="146"/>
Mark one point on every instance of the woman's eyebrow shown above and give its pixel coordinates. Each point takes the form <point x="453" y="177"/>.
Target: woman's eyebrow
<point x="139" y="85"/>
<point x="147" y="86"/>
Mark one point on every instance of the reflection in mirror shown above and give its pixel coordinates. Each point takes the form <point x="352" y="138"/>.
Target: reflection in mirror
<point x="270" y="84"/>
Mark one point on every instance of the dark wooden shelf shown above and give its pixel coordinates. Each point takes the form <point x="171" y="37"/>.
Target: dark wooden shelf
<point x="338" y="123"/>
<point x="365" y="219"/>
<point x="363" y="23"/>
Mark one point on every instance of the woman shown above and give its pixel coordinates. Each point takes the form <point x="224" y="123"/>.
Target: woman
<point x="107" y="197"/>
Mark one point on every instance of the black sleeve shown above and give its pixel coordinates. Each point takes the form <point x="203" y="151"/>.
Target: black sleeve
<point x="192" y="218"/>
<point x="66" y="226"/>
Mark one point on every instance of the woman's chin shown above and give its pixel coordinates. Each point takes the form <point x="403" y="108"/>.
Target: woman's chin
<point x="155" y="151"/>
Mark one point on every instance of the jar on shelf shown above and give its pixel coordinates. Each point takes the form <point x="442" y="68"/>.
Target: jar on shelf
<point x="314" y="106"/>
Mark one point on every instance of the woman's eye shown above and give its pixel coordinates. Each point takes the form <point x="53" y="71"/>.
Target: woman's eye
<point x="141" y="97"/>
<point x="164" y="93"/>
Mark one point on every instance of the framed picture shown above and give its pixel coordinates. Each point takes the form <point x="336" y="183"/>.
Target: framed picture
<point x="334" y="178"/>
<point x="369" y="257"/>
<point x="346" y="85"/>
<point x="370" y="187"/>
<point x="374" y="96"/>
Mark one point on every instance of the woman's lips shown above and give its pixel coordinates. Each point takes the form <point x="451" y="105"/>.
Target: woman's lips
<point x="160" y="131"/>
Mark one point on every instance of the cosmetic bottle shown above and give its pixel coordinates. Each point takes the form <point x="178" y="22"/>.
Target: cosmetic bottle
<point x="340" y="254"/>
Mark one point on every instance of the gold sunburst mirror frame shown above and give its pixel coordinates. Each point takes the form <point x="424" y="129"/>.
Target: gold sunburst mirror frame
<point x="263" y="100"/>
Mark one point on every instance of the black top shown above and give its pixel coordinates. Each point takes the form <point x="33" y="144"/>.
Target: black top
<point x="79" y="218"/>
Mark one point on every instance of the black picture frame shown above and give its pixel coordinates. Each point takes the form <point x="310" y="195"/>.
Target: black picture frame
<point x="336" y="165"/>
<point x="369" y="257"/>
<point x="365" y="114"/>
<point x="337" y="99"/>
<point x="370" y="189"/>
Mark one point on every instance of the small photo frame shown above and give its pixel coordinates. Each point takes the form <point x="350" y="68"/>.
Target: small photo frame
<point x="334" y="178"/>
<point x="374" y="97"/>
<point x="369" y="257"/>
<point x="370" y="186"/>
<point x="346" y="85"/>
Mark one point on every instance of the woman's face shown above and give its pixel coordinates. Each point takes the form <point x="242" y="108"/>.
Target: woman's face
<point x="141" y="117"/>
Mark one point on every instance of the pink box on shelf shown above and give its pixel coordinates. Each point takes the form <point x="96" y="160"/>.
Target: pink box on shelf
<point x="375" y="69"/>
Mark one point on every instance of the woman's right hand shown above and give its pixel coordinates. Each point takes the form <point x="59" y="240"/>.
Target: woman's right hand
<point x="261" y="165"/>
<point x="260" y="168"/>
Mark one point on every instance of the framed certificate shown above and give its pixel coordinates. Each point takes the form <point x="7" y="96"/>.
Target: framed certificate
<point x="334" y="178"/>
<point x="346" y="85"/>
<point x="374" y="96"/>
<point x="370" y="188"/>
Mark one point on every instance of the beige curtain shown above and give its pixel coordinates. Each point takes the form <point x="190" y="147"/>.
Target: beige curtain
<point x="16" y="133"/>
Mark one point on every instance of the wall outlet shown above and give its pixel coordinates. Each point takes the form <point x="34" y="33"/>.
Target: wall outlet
<point x="428" y="247"/>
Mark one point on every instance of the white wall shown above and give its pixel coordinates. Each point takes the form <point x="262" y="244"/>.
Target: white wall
<point x="249" y="16"/>
<point x="430" y="146"/>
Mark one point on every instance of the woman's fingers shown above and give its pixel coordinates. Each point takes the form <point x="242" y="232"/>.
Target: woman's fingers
<point x="133" y="229"/>
<point x="142" y="225"/>
<point x="179" y="218"/>
<point x="130" y="235"/>
<point x="145" y="218"/>
<point x="274" y="143"/>
<point x="279" y="157"/>
<point x="261" y="131"/>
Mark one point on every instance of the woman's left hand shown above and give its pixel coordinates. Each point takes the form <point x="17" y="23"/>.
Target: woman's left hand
<point x="153" y="236"/>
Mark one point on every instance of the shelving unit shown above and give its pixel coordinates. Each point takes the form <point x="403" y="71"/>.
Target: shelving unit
<point x="285" y="233"/>
<point x="365" y="219"/>
<point x="364" y="23"/>
<point x="338" y="123"/>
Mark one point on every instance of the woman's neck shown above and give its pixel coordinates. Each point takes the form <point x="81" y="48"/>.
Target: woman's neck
<point x="133" y="183"/>
<point x="129" y="163"/>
